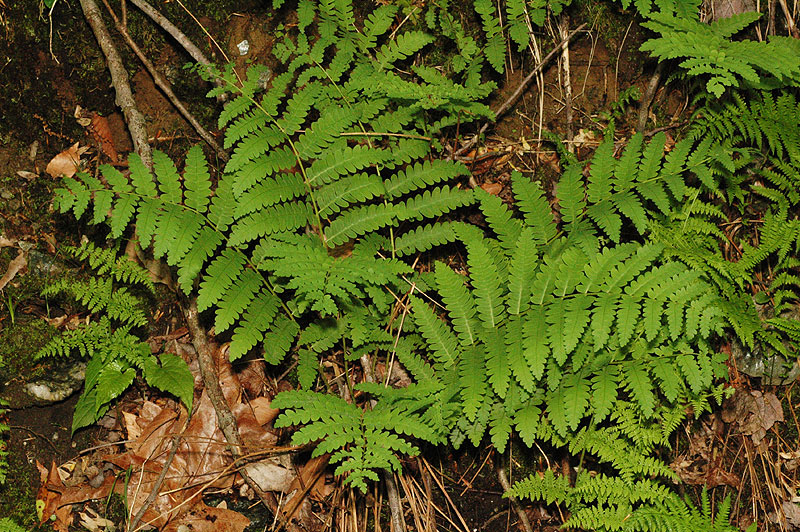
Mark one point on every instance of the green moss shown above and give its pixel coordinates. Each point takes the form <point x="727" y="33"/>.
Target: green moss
<point x="17" y="496"/>
<point x="19" y="342"/>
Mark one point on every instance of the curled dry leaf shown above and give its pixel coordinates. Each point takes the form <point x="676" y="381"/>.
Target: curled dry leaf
<point x="29" y="176"/>
<point x="49" y="499"/>
<point x="101" y="132"/>
<point x="755" y="412"/>
<point x="493" y="188"/>
<point x="14" y="267"/>
<point x="67" y="163"/>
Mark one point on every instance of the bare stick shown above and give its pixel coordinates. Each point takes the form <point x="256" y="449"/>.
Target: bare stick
<point x="647" y="99"/>
<point x="165" y="87"/>
<point x="119" y="78"/>
<point x="392" y="493"/>
<point x="170" y="28"/>
<point x="520" y="89"/>
<point x="523" y="517"/>
<point x="227" y="423"/>
<point x="563" y="29"/>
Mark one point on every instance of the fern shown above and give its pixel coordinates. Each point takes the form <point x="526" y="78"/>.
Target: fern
<point x="360" y="441"/>
<point x="115" y="353"/>
<point x="585" y="321"/>
<point x="707" y="49"/>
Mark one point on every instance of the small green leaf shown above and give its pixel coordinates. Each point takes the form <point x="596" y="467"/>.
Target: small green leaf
<point x="172" y="376"/>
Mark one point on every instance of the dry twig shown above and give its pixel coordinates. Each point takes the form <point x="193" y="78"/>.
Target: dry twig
<point x="647" y="99"/>
<point x="563" y="28"/>
<point x="165" y="86"/>
<point x="523" y="517"/>
<point x="119" y="79"/>
<point x="178" y="35"/>
<point x="519" y="90"/>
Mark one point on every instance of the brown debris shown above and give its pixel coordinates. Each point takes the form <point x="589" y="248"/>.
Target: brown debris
<point x="67" y="163"/>
<point x="754" y="411"/>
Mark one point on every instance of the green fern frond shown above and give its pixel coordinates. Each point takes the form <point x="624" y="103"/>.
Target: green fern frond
<point x="425" y="237"/>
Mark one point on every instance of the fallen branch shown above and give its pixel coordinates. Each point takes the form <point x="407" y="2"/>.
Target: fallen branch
<point x="170" y="28"/>
<point x="178" y="35"/>
<point x="119" y="79"/>
<point x="225" y="418"/>
<point x="563" y="27"/>
<point x="647" y="99"/>
<point x="165" y="86"/>
<point x="523" y="517"/>
<point x="519" y="90"/>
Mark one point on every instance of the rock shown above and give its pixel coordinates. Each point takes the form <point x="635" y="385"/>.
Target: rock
<point x="63" y="380"/>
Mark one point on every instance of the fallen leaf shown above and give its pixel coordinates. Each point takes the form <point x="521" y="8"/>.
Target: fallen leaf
<point x="587" y="136"/>
<point x="49" y="499"/>
<point x="492" y="188"/>
<point x="67" y="163"/>
<point x="24" y="174"/>
<point x="131" y="427"/>
<point x="101" y="132"/>
<point x="6" y="242"/>
<point x="271" y="475"/>
<point x="263" y="411"/>
<point x="91" y="521"/>
<point x="13" y="269"/>
<point x="755" y="412"/>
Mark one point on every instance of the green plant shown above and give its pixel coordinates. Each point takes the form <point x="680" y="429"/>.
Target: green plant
<point x="10" y="308"/>
<point x="115" y="353"/>
<point x="759" y="181"/>
<point x="3" y="450"/>
<point x="298" y="248"/>
<point x="709" y="50"/>
<point x="8" y="525"/>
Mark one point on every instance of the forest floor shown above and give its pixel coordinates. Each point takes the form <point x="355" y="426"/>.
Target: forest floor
<point x="56" y="95"/>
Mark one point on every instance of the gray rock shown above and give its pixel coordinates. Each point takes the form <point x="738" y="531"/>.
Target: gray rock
<point x="63" y="380"/>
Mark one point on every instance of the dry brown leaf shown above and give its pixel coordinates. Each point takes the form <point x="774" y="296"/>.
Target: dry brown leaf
<point x="49" y="498"/>
<point x="14" y="267"/>
<point x="67" y="163"/>
<point x="131" y="426"/>
<point x="492" y="188"/>
<point x="101" y="132"/>
<point x="91" y="520"/>
<point x="755" y="412"/>
<point x="203" y="518"/>
<point x="202" y="461"/>
<point x="271" y="475"/>
<point x="29" y="176"/>
<point x="310" y="482"/>
<point x="262" y="410"/>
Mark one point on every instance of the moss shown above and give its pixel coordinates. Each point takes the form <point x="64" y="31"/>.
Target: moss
<point x="19" y="343"/>
<point x="17" y="497"/>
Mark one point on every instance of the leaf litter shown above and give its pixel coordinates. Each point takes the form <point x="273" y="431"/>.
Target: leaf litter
<point x="201" y="462"/>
